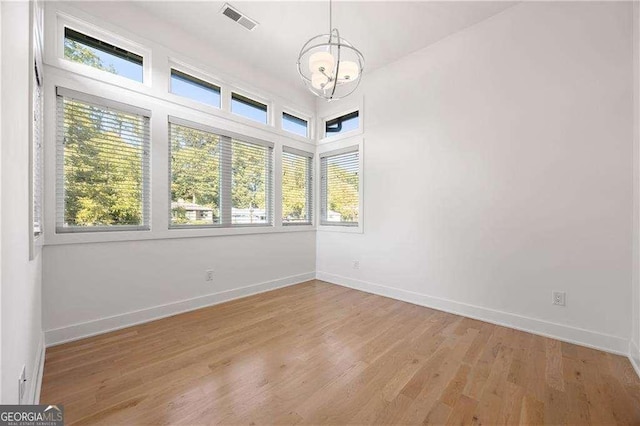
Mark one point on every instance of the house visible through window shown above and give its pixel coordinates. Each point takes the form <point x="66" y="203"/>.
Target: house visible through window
<point x="103" y="165"/>
<point x="218" y="180"/>
<point x="340" y="187"/>
<point x="249" y="108"/>
<point x="98" y="54"/>
<point x="195" y="176"/>
<point x="183" y="84"/>
<point x="251" y="191"/>
<point x="297" y="184"/>
<point x="296" y="125"/>
<point x="343" y="124"/>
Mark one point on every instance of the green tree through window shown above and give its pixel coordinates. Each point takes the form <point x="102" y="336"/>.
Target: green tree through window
<point x="296" y="188"/>
<point x="341" y="182"/>
<point x="103" y="165"/>
<point x="195" y="176"/>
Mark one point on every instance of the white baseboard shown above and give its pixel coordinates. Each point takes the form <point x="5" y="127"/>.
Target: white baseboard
<point x="634" y="356"/>
<point x="116" y="322"/>
<point x="579" y="336"/>
<point x="36" y="373"/>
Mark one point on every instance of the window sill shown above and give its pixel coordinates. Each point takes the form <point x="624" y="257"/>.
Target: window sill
<point x="339" y="137"/>
<point x="341" y="228"/>
<point x="174" y="233"/>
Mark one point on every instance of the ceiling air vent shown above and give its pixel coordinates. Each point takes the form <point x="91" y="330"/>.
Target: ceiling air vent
<point x="238" y="17"/>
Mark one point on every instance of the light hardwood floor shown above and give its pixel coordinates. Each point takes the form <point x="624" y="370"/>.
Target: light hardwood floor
<point x="316" y="353"/>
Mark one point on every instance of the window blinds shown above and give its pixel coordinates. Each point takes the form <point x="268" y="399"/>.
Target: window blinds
<point x="340" y="187"/>
<point x="102" y="174"/>
<point x="195" y="176"/>
<point x="297" y="184"/>
<point x="251" y="188"/>
<point x="239" y="193"/>
<point x="37" y="152"/>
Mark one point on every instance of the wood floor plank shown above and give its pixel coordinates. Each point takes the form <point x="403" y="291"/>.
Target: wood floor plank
<point x="317" y="353"/>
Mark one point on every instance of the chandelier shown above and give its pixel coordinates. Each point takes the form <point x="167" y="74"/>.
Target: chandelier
<point x="330" y="66"/>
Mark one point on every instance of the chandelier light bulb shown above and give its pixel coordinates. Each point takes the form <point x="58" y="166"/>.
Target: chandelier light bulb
<point x="348" y="71"/>
<point x="320" y="81"/>
<point x="321" y="62"/>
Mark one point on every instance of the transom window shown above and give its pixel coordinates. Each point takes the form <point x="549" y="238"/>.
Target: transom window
<point x="183" y="84"/>
<point x="90" y="51"/>
<point x="103" y="164"/>
<point x="343" y="124"/>
<point x="249" y="108"/>
<point x="296" y="125"/>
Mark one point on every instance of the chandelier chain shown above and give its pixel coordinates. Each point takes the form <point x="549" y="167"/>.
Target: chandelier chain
<point x="330" y="19"/>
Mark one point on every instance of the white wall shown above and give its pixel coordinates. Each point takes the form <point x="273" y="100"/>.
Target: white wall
<point x="497" y="169"/>
<point x="88" y="282"/>
<point x="93" y="287"/>
<point x="634" y="346"/>
<point x="20" y="294"/>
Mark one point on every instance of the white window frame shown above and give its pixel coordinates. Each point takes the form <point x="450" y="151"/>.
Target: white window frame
<point x="66" y="21"/>
<point x="145" y="226"/>
<point x="337" y="146"/>
<point x="311" y="185"/>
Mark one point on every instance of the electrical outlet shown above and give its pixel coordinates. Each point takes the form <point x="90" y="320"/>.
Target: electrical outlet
<point x="208" y="275"/>
<point x="356" y="264"/>
<point x="559" y="298"/>
<point x="22" y="385"/>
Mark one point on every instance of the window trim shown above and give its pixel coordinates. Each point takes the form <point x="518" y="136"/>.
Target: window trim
<point x="334" y="148"/>
<point x="310" y="184"/>
<point x="145" y="226"/>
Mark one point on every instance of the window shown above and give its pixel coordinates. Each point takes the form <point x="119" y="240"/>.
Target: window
<point x="37" y="133"/>
<point x="340" y="187"/>
<point x="251" y="189"/>
<point x="98" y="54"/>
<point x="218" y="180"/>
<point x="195" y="176"/>
<point x="193" y="88"/>
<point x="297" y="184"/>
<point x="103" y="164"/>
<point x="343" y="124"/>
<point x="249" y="108"/>
<point x="296" y="125"/>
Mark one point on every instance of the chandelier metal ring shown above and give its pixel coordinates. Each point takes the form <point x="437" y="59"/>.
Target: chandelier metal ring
<point x="334" y="68"/>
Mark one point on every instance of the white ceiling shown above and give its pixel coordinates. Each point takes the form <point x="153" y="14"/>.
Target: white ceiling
<point x="383" y="30"/>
